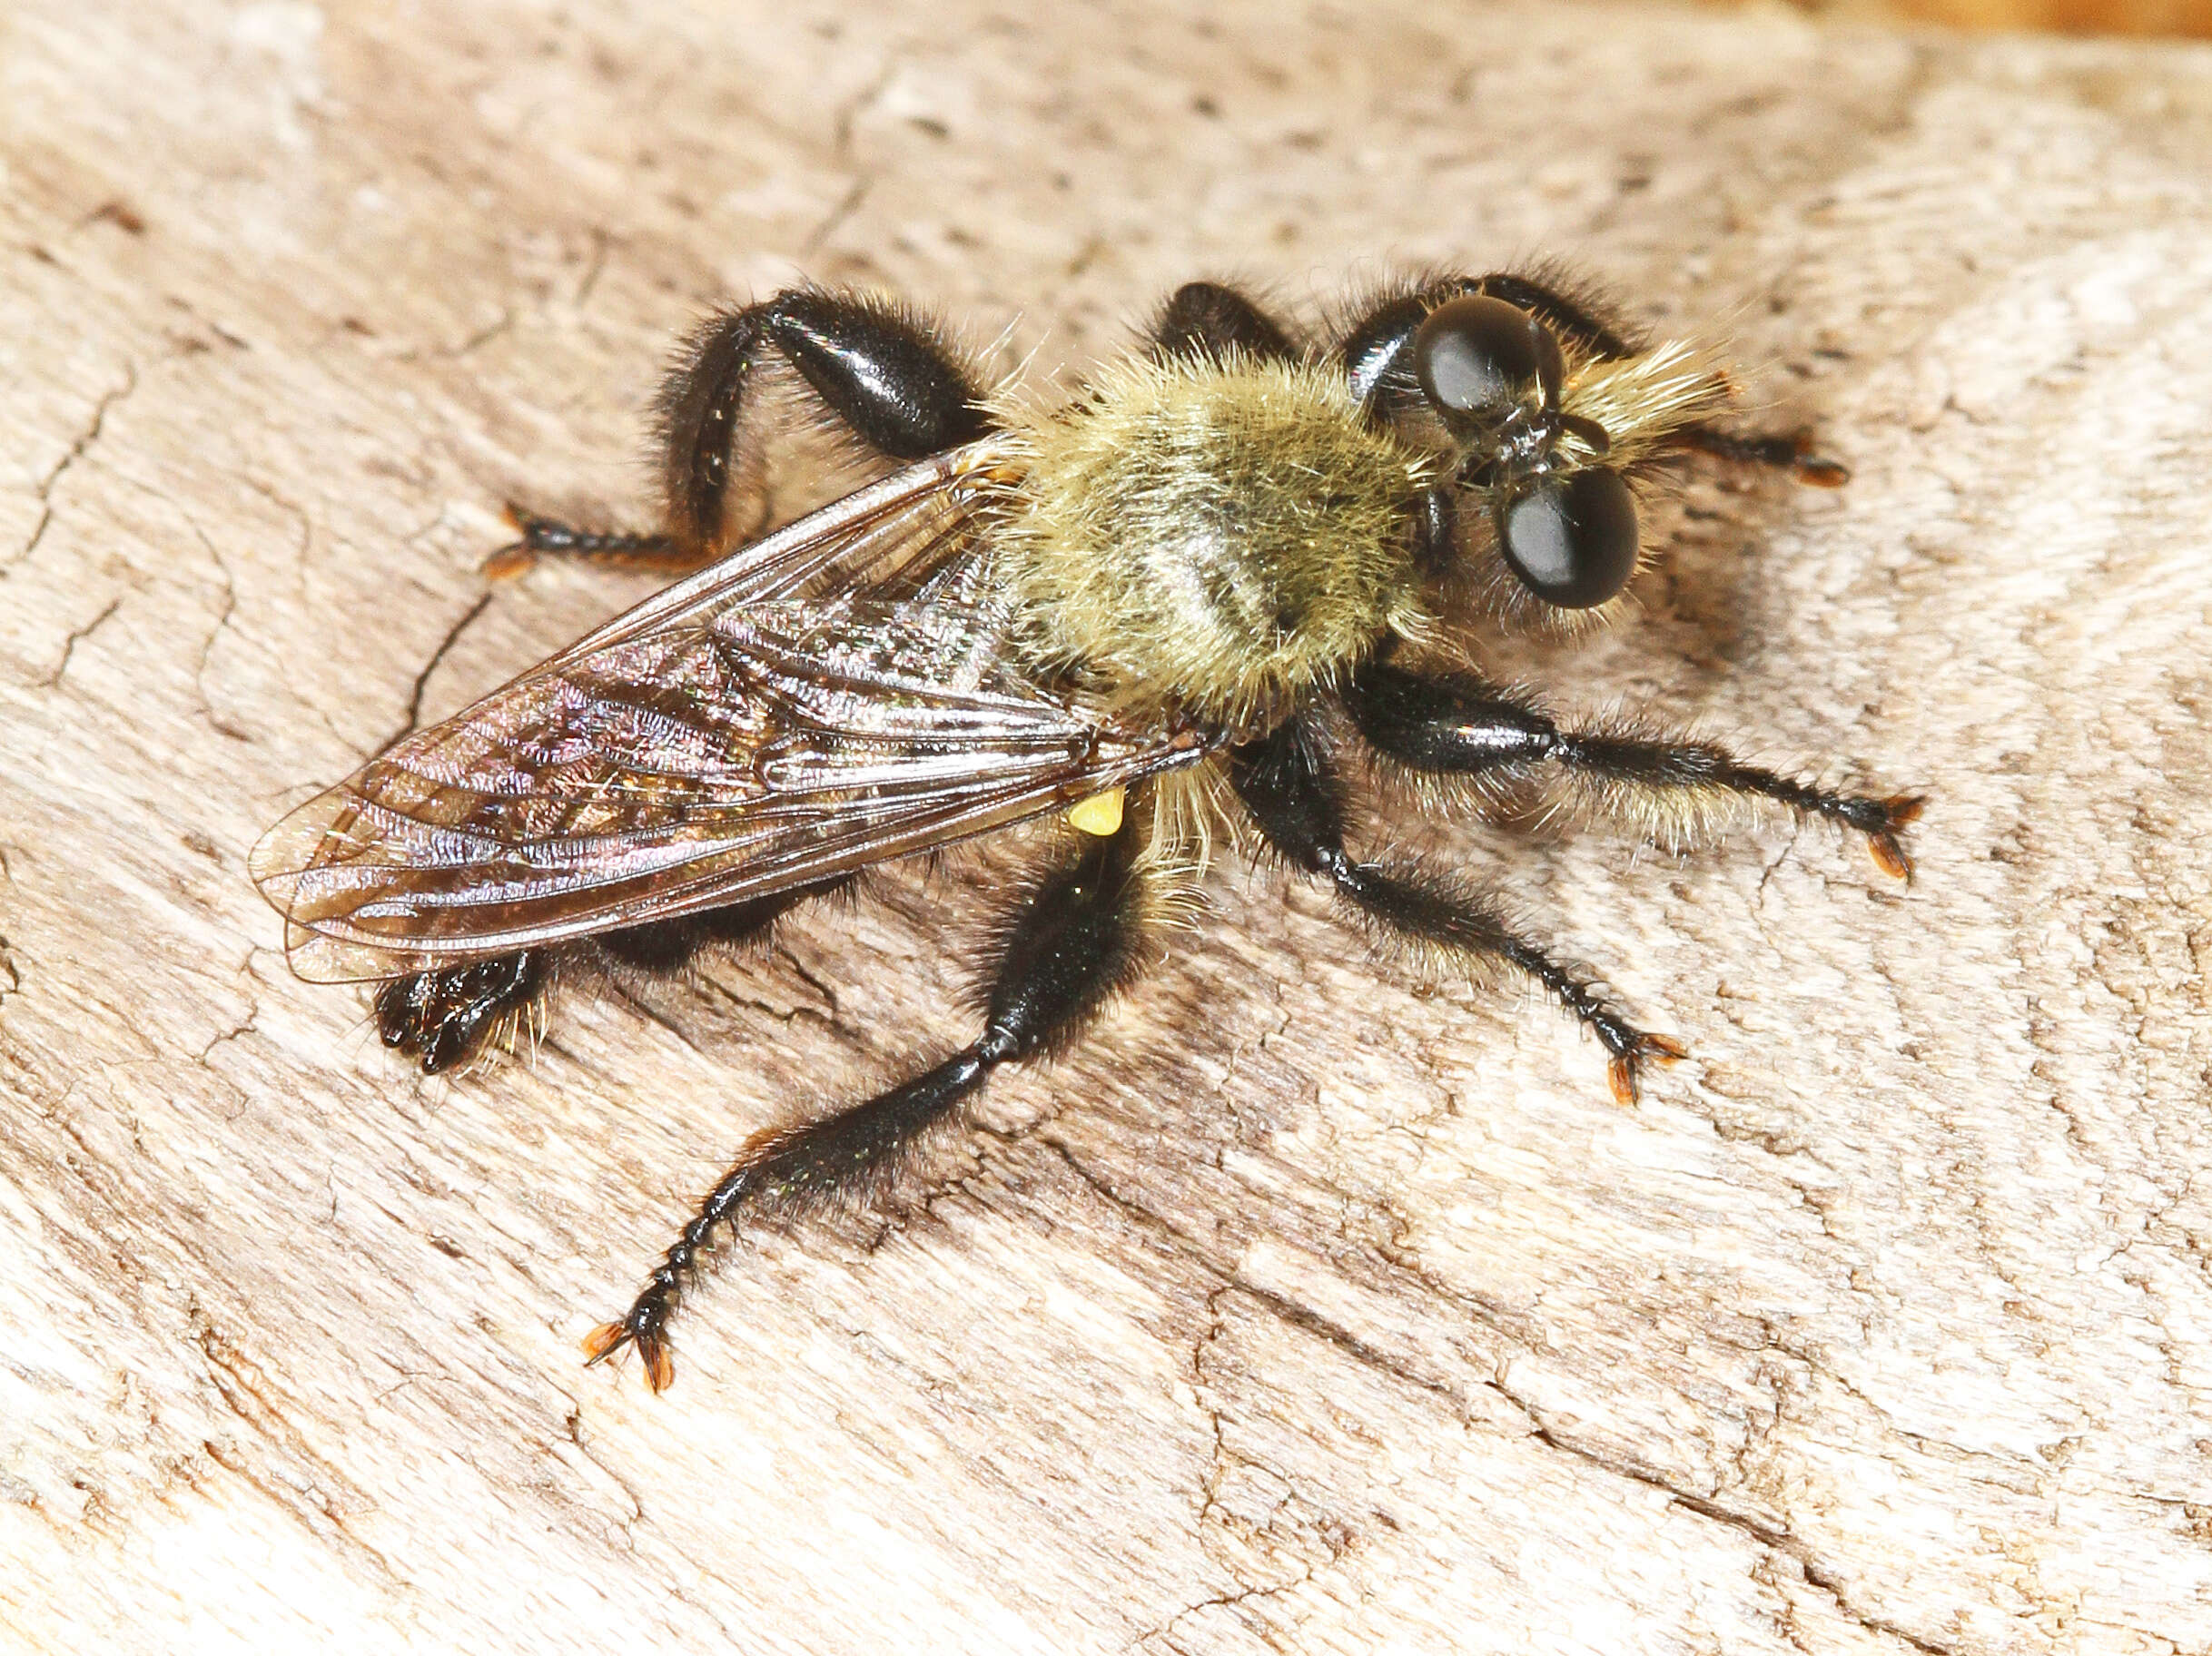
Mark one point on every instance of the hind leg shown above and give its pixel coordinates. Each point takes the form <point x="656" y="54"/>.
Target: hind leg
<point x="878" y="369"/>
<point x="1074" y="939"/>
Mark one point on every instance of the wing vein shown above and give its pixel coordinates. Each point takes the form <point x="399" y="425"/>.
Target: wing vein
<point x="843" y="691"/>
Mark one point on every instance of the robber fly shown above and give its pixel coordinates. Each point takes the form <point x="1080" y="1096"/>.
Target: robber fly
<point x="1182" y="598"/>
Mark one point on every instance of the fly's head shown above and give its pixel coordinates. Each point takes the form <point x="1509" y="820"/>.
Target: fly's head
<point x="1545" y="433"/>
<point x="1564" y="519"/>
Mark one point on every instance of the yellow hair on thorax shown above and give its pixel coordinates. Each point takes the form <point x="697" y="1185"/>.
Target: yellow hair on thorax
<point x="1217" y="536"/>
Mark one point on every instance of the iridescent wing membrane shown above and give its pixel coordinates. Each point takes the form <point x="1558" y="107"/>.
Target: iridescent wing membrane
<point x="838" y="695"/>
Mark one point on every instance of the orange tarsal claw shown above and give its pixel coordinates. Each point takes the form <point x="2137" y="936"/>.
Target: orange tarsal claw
<point x="1621" y="1072"/>
<point x="1814" y="468"/>
<point x="516" y="557"/>
<point x="608" y="1338"/>
<point x="508" y="562"/>
<point x="1903" y="810"/>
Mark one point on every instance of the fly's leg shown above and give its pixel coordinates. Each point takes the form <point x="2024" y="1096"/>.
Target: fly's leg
<point x="1206" y="321"/>
<point x="1286" y="784"/>
<point x="1790" y="451"/>
<point x="1069" y="944"/>
<point x="1575" y="319"/>
<point x="1461" y="726"/>
<point x="879" y="369"/>
<point x="618" y="549"/>
<point x="443" y="1019"/>
<point x="1376" y="350"/>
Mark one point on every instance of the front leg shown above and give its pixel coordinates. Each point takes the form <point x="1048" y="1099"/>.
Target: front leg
<point x="1376" y="353"/>
<point x="1206" y="321"/>
<point x="1459" y="726"/>
<point x="1376" y="347"/>
<point x="1299" y="807"/>
<point x="1790" y="451"/>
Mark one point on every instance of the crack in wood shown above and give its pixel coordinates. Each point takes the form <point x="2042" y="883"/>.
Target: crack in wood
<point x="53" y="681"/>
<point x="422" y="679"/>
<point x="1774" y="1538"/>
<point x="76" y="451"/>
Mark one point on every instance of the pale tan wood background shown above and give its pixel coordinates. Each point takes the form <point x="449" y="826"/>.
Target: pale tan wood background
<point x="1304" y="1311"/>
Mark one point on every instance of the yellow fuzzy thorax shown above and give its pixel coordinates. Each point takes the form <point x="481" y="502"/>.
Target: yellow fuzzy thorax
<point x="1215" y="535"/>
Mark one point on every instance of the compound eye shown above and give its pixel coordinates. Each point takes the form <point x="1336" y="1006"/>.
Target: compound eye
<point x="1477" y="359"/>
<point x="1572" y="539"/>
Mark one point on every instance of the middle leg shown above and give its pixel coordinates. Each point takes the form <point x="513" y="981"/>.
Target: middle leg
<point x="1299" y="807"/>
<point x="1209" y="321"/>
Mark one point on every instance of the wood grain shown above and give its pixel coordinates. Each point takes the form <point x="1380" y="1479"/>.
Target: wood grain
<point x="1304" y="1310"/>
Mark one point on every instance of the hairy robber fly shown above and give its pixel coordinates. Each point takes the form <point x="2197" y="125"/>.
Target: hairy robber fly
<point x="1179" y="603"/>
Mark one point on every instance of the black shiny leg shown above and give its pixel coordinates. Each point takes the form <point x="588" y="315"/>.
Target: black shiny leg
<point x="1205" y="321"/>
<point x="1435" y="531"/>
<point x="882" y="371"/>
<point x="1462" y="726"/>
<point x="1790" y="451"/>
<point x="1572" y="316"/>
<point x="1067" y="946"/>
<point x="1299" y="805"/>
<point x="1375" y="354"/>
<point x="878" y="369"/>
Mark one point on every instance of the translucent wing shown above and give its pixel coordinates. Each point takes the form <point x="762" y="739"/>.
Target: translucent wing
<point x="888" y="538"/>
<point x="722" y="741"/>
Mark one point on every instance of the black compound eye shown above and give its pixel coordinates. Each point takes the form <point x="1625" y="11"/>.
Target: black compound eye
<point x="1572" y="539"/>
<point x="1477" y="359"/>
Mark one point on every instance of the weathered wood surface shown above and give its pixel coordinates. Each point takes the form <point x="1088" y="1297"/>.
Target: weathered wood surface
<point x="1302" y="1311"/>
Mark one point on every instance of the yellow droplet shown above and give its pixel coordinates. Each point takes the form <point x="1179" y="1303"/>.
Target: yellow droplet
<point x="1100" y="815"/>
